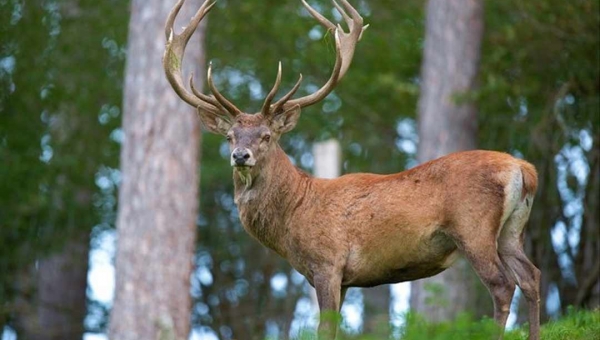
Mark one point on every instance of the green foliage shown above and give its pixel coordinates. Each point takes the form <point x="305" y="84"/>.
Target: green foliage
<point x="435" y="294"/>
<point x="463" y="327"/>
<point x="576" y="325"/>
<point x="61" y="76"/>
<point x="539" y="65"/>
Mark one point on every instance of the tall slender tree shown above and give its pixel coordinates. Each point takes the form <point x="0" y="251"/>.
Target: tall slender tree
<point x="376" y="302"/>
<point x="447" y="122"/>
<point x="158" y="198"/>
<point x="54" y="304"/>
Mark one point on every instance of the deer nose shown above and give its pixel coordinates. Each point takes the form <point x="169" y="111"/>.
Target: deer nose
<point x="240" y="156"/>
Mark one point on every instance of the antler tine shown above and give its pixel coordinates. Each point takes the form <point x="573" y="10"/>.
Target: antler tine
<point x="194" y="22"/>
<point x="171" y="19"/>
<point x="320" y="18"/>
<point x="173" y="56"/>
<point x="265" y="110"/>
<point x="350" y="21"/>
<point x="232" y="109"/>
<point x="277" y="106"/>
<point x="354" y="15"/>
<point x="350" y="39"/>
<point x="329" y="85"/>
<point x="341" y="10"/>
<point x="204" y="97"/>
<point x="345" y="43"/>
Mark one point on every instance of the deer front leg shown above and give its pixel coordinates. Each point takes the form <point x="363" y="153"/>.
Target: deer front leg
<point x="329" y="291"/>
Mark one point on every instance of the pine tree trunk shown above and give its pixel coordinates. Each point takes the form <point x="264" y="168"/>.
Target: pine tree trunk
<point x="158" y="198"/>
<point x="52" y="301"/>
<point x="376" y="301"/>
<point x="61" y="290"/>
<point x="447" y="123"/>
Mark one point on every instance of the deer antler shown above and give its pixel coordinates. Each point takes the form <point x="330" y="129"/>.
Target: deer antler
<point x="173" y="57"/>
<point x="345" y="43"/>
<point x="266" y="108"/>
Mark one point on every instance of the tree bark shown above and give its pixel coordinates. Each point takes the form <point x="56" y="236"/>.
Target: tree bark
<point x="156" y="221"/>
<point x="52" y="302"/>
<point x="376" y="319"/>
<point x="448" y="123"/>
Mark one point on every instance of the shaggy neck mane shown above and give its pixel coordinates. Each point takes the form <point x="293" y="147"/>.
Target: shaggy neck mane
<point x="272" y="195"/>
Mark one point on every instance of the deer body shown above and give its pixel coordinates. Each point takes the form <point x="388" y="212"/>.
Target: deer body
<point x="367" y="229"/>
<point x="377" y="229"/>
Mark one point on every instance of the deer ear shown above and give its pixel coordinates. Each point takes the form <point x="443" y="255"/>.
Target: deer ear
<point x="214" y="122"/>
<point x="286" y="121"/>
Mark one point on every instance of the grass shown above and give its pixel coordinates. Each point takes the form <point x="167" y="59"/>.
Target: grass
<point x="576" y="325"/>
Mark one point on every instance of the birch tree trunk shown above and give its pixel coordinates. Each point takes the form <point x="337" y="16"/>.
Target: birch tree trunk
<point x="158" y="198"/>
<point x="448" y="123"/>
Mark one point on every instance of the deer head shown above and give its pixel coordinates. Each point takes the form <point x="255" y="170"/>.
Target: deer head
<point x="252" y="136"/>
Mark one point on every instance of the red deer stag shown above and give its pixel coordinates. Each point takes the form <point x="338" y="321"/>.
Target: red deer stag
<point x="363" y="230"/>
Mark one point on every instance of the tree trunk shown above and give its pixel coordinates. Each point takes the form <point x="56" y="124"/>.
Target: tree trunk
<point x="447" y="123"/>
<point x="376" y="316"/>
<point x="156" y="220"/>
<point x="52" y="301"/>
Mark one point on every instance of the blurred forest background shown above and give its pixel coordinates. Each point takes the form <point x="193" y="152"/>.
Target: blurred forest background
<point x="62" y="85"/>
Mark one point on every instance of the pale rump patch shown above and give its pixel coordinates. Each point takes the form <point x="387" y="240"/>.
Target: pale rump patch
<point x="516" y="209"/>
<point x="512" y="193"/>
<point x="509" y="239"/>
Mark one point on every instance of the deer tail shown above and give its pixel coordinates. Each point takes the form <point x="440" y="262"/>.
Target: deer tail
<point x="530" y="179"/>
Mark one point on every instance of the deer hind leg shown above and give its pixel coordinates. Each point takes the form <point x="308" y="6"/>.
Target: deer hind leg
<point x="495" y="277"/>
<point x="526" y="275"/>
<point x="482" y="254"/>
<point x="528" y="279"/>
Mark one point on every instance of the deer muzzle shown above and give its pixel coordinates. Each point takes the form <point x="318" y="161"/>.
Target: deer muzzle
<point x="242" y="157"/>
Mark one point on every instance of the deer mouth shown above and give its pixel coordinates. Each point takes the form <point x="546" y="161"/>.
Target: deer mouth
<point x="243" y="168"/>
<point x="245" y="175"/>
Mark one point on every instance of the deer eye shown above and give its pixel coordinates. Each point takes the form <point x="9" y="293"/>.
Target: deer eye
<point x="229" y="138"/>
<point x="266" y="138"/>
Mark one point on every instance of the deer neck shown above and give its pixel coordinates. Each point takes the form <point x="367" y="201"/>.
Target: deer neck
<point x="269" y="197"/>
